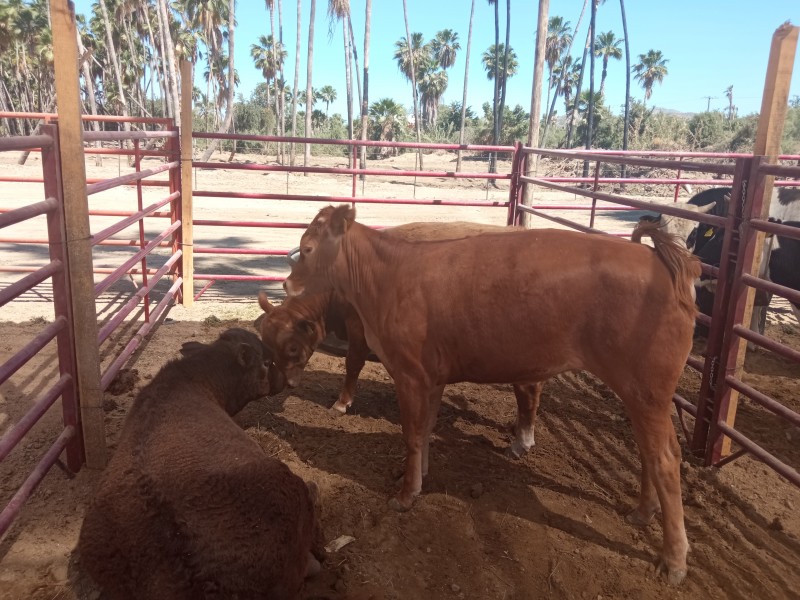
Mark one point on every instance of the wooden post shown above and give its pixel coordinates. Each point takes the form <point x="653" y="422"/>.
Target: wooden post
<point x="76" y="220"/>
<point x="767" y="144"/>
<point x="187" y="260"/>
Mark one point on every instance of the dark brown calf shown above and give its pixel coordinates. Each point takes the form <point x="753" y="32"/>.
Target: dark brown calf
<point x="516" y="307"/>
<point x="189" y="506"/>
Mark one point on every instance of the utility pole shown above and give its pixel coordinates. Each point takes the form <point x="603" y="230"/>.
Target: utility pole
<point x="708" y="103"/>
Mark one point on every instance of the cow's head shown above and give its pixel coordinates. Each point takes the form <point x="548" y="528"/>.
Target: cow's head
<point x="242" y="356"/>
<point x="290" y="337"/>
<point x="680" y="227"/>
<point x="319" y="248"/>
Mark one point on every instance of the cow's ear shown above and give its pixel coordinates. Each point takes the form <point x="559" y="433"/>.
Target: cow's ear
<point x="264" y="303"/>
<point x="306" y="327"/>
<point x="258" y="321"/>
<point x="190" y="348"/>
<point x="343" y="217"/>
<point x="246" y="355"/>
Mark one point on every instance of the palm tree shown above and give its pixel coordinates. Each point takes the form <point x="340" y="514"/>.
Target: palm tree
<point x="729" y="96"/>
<point x="418" y="53"/>
<point x="412" y="70"/>
<point x="626" y="117"/>
<point x="504" y="71"/>
<point x="607" y="46"/>
<point x="231" y="81"/>
<point x="327" y="95"/>
<point x="558" y="39"/>
<point x="444" y="48"/>
<point x="651" y="69"/>
<point x="432" y="87"/>
<point x="496" y="76"/>
<point x="388" y="118"/>
<point x="506" y="49"/>
<point x="265" y="54"/>
<point x="115" y="64"/>
<point x="309" y="65"/>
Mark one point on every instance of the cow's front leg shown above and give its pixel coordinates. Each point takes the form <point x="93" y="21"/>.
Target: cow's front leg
<point x="412" y="399"/>
<point x="528" y="396"/>
<point x="434" y="402"/>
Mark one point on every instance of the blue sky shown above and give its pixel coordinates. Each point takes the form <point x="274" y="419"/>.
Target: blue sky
<point x="710" y="44"/>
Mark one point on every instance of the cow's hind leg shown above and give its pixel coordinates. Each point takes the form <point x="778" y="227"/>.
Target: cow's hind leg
<point x="434" y="402"/>
<point x="528" y="396"/>
<point x="660" y="453"/>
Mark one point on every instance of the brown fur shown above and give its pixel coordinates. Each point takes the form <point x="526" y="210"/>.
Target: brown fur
<point x="514" y="307"/>
<point x="189" y="506"/>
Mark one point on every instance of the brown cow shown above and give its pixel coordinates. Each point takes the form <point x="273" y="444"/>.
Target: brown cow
<point x="520" y="306"/>
<point x="189" y="506"/>
<point x="294" y="329"/>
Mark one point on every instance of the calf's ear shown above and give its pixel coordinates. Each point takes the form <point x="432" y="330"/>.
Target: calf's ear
<point x="342" y="218"/>
<point x="264" y="303"/>
<point x="246" y="355"/>
<point x="190" y="348"/>
<point x="257" y="322"/>
<point x="306" y="327"/>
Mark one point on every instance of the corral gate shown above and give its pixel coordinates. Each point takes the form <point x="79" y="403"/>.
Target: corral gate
<point x="750" y="178"/>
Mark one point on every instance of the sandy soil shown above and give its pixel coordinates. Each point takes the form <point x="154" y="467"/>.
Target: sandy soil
<point x="548" y="525"/>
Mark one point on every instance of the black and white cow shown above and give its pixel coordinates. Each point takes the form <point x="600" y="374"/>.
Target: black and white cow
<point x="780" y="261"/>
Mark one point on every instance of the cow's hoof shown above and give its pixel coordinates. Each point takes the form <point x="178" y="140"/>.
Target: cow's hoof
<point x="673" y="576"/>
<point x="635" y="517"/>
<point x="395" y="503"/>
<point x="517" y="449"/>
<point x="313" y="567"/>
<point x="338" y="411"/>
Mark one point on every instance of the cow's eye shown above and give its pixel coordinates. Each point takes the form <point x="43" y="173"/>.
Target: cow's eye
<point x="307" y="250"/>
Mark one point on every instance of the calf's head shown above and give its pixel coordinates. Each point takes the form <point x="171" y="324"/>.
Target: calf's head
<point x="319" y="247"/>
<point x="242" y="364"/>
<point x="290" y="337"/>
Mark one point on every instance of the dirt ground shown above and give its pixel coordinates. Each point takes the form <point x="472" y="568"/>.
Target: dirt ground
<point x="487" y="526"/>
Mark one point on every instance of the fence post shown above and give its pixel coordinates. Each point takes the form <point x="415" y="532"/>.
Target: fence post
<point x="187" y="234"/>
<point x="514" y="190"/>
<point x="766" y="148"/>
<point x="79" y="242"/>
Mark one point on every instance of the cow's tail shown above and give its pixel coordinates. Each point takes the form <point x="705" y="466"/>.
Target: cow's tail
<point x="683" y="266"/>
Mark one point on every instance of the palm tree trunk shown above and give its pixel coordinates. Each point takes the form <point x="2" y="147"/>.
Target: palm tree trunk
<point x="505" y="70"/>
<point x="271" y="8"/>
<point x="282" y="103"/>
<point x="365" y="97"/>
<point x="590" y="109"/>
<point x="156" y="50"/>
<point x="348" y="76"/>
<point x="578" y="90"/>
<point x="464" y="97"/>
<point x="112" y="54"/>
<point x="627" y="117"/>
<point x="354" y="48"/>
<point x="495" y="97"/>
<point x="413" y="70"/>
<point x="171" y="64"/>
<point x="296" y="79"/>
<point x="309" y="99"/>
<point x="87" y="78"/>
<point x="226" y="124"/>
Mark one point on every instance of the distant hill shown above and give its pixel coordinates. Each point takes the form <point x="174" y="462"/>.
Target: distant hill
<point x="676" y="113"/>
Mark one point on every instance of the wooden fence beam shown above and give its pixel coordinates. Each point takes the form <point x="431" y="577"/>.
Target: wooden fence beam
<point x="78" y="240"/>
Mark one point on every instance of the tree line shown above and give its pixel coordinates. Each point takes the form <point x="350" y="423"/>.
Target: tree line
<point x="129" y="52"/>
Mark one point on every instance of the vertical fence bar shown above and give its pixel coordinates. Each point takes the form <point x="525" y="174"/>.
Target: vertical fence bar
<point x="596" y="187"/>
<point x="514" y="184"/>
<point x="79" y="244"/>
<point x="677" y="176"/>
<point x="353" y="164"/>
<point x="137" y="162"/>
<point x="186" y="235"/>
<point x="56" y="236"/>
